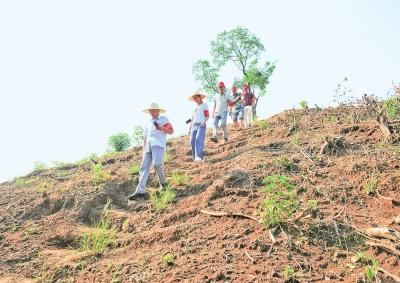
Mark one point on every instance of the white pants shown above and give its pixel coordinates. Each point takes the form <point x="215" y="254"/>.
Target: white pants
<point x="248" y="116"/>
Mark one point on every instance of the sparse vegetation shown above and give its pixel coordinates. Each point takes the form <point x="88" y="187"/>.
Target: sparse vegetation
<point x="304" y="104"/>
<point x="44" y="187"/>
<point x="285" y="163"/>
<point x="59" y="164"/>
<point x="23" y="182"/>
<point x="137" y="136"/>
<point x="371" y="271"/>
<point x="134" y="170"/>
<point x="179" y="179"/>
<point x="331" y="119"/>
<point x="98" y="175"/>
<point x="371" y="185"/>
<point x="39" y="166"/>
<point x="288" y="273"/>
<point x="63" y="174"/>
<point x="14" y="227"/>
<point x="392" y="107"/>
<point x="312" y="203"/>
<point x="295" y="140"/>
<point x="101" y="235"/>
<point x="119" y="142"/>
<point x="263" y="124"/>
<point x="167" y="157"/>
<point x="30" y="231"/>
<point x="168" y="259"/>
<point x="280" y="202"/>
<point x="161" y="199"/>
<point x="92" y="157"/>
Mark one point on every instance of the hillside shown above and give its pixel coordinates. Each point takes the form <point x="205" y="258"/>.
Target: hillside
<point x="46" y="215"/>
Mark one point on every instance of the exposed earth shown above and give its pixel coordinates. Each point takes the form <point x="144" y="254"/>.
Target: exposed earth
<point x="344" y="189"/>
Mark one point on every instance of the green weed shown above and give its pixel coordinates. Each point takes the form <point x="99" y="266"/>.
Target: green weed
<point x="392" y="107"/>
<point x="371" y="271"/>
<point x="39" y="166"/>
<point x="167" y="157"/>
<point x="44" y="187"/>
<point x="371" y="185"/>
<point x="331" y="119"/>
<point x="23" y="182"/>
<point x="134" y="170"/>
<point x="288" y="273"/>
<point x="285" y="163"/>
<point x="161" y="199"/>
<point x="280" y="202"/>
<point x="303" y="104"/>
<point x="168" y="259"/>
<point x="263" y="124"/>
<point x="178" y="179"/>
<point x="98" y="175"/>
<point x="119" y="142"/>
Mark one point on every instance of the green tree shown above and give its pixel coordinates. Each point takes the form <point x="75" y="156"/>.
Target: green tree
<point x="119" y="142"/>
<point x="241" y="48"/>
<point x="138" y="135"/>
<point x="207" y="75"/>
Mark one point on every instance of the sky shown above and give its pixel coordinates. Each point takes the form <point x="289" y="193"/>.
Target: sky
<point x="72" y="73"/>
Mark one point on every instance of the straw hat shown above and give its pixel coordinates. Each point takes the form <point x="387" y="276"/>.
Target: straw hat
<point x="154" y="106"/>
<point x="203" y="96"/>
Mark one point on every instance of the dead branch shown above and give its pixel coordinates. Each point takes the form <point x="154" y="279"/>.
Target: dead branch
<point x="383" y="232"/>
<point x="386" y="247"/>
<point x="388" y="274"/>
<point x="249" y="257"/>
<point x="384" y="127"/>
<point x="394" y="201"/>
<point x="304" y="153"/>
<point x="230" y="214"/>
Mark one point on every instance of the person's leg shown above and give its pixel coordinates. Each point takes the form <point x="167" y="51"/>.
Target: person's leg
<point x="251" y="115"/>
<point x="247" y="117"/>
<point x="223" y="125"/>
<point x="201" y="135"/>
<point x="158" y="163"/>
<point x="144" y="172"/>
<point x="217" y="118"/>
<point x="241" y="117"/>
<point x="193" y="140"/>
<point x="235" y="116"/>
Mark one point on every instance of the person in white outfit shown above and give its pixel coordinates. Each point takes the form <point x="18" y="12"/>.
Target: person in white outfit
<point x="154" y="147"/>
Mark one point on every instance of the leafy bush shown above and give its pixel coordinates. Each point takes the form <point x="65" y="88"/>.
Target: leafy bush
<point x="168" y="259"/>
<point x="280" y="202"/>
<point x="44" y="187"/>
<point x="391" y="106"/>
<point x="134" y="170"/>
<point x="137" y="136"/>
<point x="303" y="104"/>
<point x="119" y="142"/>
<point x="98" y="175"/>
<point x="179" y="179"/>
<point x="39" y="166"/>
<point x="161" y="199"/>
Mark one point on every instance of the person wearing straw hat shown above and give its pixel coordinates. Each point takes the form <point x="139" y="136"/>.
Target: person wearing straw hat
<point x="154" y="146"/>
<point x="197" y="129"/>
<point x="220" y="112"/>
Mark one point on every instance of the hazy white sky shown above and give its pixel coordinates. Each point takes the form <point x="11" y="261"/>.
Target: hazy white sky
<point x="72" y="73"/>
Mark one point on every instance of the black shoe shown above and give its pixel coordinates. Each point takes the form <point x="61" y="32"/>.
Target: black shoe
<point x="136" y="196"/>
<point x="214" y="140"/>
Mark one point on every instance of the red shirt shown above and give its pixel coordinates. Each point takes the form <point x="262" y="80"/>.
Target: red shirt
<point x="248" y="99"/>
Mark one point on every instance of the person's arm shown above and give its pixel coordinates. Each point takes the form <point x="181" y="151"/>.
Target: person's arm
<point x="191" y="125"/>
<point x="206" y="117"/>
<point x="254" y="100"/>
<point x="144" y="142"/>
<point x="166" y="128"/>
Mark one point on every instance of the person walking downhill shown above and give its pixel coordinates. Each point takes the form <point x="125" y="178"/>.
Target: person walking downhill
<point x="237" y="108"/>
<point x="220" y="112"/>
<point x="154" y="147"/>
<point x="248" y="102"/>
<point x="198" y="126"/>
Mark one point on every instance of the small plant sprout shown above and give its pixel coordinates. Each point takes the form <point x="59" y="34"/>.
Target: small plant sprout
<point x="39" y="166"/>
<point x="23" y="182"/>
<point x="179" y="179"/>
<point x="303" y="105"/>
<point x="371" y="271"/>
<point x="167" y="157"/>
<point x="168" y="259"/>
<point x="311" y="203"/>
<point x="263" y="124"/>
<point x="161" y="199"/>
<point x="98" y="175"/>
<point x="285" y="163"/>
<point x="281" y="200"/>
<point x="289" y="273"/>
<point x="44" y="187"/>
<point x="371" y="186"/>
<point x="134" y="170"/>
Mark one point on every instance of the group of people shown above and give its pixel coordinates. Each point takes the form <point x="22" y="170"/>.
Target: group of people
<point x="238" y="105"/>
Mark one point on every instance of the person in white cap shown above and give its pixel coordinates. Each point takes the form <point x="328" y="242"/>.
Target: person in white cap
<point x="198" y="126"/>
<point x="154" y="147"/>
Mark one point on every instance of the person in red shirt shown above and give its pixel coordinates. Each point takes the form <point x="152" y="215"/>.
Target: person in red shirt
<point x="249" y="100"/>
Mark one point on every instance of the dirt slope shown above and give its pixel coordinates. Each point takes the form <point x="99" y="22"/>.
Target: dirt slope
<point x="42" y="222"/>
